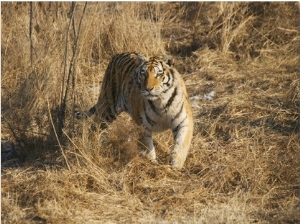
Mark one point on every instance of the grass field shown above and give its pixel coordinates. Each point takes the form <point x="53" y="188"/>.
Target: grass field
<point x="243" y="165"/>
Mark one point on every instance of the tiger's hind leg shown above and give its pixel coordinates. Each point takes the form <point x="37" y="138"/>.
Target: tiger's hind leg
<point x="147" y="142"/>
<point x="103" y="116"/>
<point x="105" y="113"/>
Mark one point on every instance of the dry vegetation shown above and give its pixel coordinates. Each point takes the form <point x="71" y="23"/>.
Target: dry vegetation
<point x="243" y="165"/>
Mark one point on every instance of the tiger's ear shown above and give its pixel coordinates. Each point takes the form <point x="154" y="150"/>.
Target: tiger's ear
<point x="169" y="60"/>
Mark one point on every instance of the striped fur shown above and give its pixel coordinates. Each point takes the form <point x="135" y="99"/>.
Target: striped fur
<point x="154" y="94"/>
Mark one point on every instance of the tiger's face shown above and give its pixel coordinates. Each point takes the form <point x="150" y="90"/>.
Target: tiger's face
<point x="154" y="78"/>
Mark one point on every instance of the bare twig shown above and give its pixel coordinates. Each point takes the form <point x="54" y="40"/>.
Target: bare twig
<point x="71" y="71"/>
<point x="73" y="62"/>
<point x="30" y="32"/>
<point x="62" y="106"/>
<point x="57" y="138"/>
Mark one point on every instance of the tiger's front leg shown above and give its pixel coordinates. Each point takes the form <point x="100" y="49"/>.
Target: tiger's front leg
<point x="148" y="143"/>
<point x="183" y="136"/>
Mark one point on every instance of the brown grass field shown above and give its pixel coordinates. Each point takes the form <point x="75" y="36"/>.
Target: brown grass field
<point x="243" y="165"/>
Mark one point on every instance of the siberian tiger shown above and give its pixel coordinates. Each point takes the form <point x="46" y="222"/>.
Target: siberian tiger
<point x="154" y="94"/>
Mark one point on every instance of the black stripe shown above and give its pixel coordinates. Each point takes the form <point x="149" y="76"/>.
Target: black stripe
<point x="121" y="57"/>
<point x="106" y="75"/>
<point x="153" y="107"/>
<point x="129" y="68"/>
<point x="137" y="77"/>
<point x="167" y="83"/>
<point x="178" y="114"/>
<point x="172" y="75"/>
<point x="106" y="102"/>
<point x="132" y="80"/>
<point x="147" y="129"/>
<point x="172" y="72"/>
<point x="125" y="60"/>
<point x="125" y="107"/>
<point x="171" y="99"/>
<point x="149" y="120"/>
<point x="113" y="88"/>
<point x="110" y="116"/>
<point x="148" y="135"/>
<point x="141" y="119"/>
<point x="175" y="130"/>
<point x="165" y="91"/>
<point x="171" y="78"/>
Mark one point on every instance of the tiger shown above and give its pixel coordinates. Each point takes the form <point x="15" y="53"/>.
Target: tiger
<point x="154" y="94"/>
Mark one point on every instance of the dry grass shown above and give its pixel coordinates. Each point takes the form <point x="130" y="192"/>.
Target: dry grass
<point x="243" y="165"/>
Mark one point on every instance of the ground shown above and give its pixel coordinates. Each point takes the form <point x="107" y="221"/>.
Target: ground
<point x="243" y="164"/>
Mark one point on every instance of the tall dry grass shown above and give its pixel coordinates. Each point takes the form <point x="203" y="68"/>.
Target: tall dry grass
<point x="243" y="165"/>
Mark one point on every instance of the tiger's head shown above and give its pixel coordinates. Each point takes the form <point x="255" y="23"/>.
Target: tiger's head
<point x="155" y="76"/>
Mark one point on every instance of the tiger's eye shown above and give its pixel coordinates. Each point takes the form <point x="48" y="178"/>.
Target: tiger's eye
<point x="143" y="72"/>
<point x="159" y="73"/>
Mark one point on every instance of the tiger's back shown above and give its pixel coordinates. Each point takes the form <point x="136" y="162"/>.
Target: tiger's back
<point x="116" y="87"/>
<point x="154" y="94"/>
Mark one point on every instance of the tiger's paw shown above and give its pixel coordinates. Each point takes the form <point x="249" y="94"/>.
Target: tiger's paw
<point x="176" y="163"/>
<point x="154" y="162"/>
<point x="77" y="112"/>
<point x="151" y="155"/>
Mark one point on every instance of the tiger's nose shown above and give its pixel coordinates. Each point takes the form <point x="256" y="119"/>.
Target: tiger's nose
<point x="149" y="89"/>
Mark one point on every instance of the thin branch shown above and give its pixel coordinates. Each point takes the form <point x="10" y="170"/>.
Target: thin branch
<point x="62" y="106"/>
<point x="70" y="76"/>
<point x="74" y="61"/>
<point x="30" y="32"/>
<point x="57" y="138"/>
